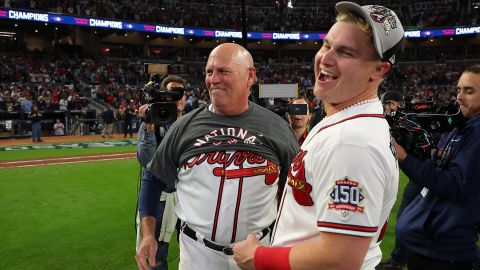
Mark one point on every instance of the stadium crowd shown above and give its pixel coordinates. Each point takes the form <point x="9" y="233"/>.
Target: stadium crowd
<point x="262" y="15"/>
<point x="63" y="81"/>
<point x="65" y="85"/>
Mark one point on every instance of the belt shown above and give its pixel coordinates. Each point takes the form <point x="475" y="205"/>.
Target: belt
<point x="227" y="250"/>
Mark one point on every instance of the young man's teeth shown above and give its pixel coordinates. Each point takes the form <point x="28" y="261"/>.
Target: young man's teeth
<point x="327" y="74"/>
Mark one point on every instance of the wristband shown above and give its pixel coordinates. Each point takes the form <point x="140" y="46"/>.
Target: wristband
<point x="272" y="258"/>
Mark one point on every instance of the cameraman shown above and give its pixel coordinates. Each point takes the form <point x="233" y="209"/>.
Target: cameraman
<point x="439" y="228"/>
<point x="149" y="137"/>
<point x="391" y="101"/>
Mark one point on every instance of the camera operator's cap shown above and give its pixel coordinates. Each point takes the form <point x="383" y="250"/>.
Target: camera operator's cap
<point x="386" y="27"/>
<point x="391" y="96"/>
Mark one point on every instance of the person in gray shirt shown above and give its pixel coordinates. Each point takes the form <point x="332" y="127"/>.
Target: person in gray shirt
<point x="228" y="161"/>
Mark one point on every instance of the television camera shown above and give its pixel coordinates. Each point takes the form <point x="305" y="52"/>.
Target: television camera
<point x="284" y="106"/>
<point x="161" y="102"/>
<point x="418" y="126"/>
<point x="280" y="94"/>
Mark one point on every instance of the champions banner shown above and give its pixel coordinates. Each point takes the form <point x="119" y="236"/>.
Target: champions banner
<point x="55" y="18"/>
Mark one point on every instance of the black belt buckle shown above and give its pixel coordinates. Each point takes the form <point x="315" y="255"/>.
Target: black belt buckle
<point x="264" y="233"/>
<point x="228" y="251"/>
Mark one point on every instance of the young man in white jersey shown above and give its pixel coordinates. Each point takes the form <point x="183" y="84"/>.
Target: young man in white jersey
<point x="343" y="183"/>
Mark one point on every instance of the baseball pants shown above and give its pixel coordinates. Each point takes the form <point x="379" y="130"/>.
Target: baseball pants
<point x="195" y="255"/>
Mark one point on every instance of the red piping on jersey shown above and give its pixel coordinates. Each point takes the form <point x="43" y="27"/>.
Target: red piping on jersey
<point x="346" y="227"/>
<point x="219" y="201"/>
<point x="350" y="118"/>
<point x="382" y="232"/>
<point x="279" y="213"/>
<point x="237" y="207"/>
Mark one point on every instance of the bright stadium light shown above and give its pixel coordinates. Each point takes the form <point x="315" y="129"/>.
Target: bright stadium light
<point x="7" y="34"/>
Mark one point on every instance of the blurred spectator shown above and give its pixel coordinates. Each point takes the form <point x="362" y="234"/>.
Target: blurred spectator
<point x="109" y="119"/>
<point x="128" y="115"/>
<point x="299" y="123"/>
<point x="59" y="128"/>
<point x="36" y="118"/>
<point x="27" y="104"/>
<point x="63" y="104"/>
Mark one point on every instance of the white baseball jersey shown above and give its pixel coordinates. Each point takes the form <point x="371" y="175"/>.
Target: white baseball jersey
<point x="227" y="171"/>
<point x="226" y="195"/>
<point x="344" y="180"/>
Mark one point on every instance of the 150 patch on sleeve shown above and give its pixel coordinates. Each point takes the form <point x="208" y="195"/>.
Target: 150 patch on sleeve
<point x="346" y="197"/>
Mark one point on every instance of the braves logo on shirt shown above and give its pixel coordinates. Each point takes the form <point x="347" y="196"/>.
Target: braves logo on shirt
<point x="239" y="159"/>
<point x="346" y="196"/>
<point x="296" y="179"/>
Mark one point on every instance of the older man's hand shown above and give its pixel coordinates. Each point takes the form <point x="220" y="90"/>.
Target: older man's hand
<point x="145" y="255"/>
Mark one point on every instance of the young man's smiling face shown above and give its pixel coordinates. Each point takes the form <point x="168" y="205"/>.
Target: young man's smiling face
<point x="346" y="65"/>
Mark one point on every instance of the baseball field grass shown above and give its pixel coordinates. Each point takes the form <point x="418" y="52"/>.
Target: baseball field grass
<point x="79" y="216"/>
<point x="62" y="152"/>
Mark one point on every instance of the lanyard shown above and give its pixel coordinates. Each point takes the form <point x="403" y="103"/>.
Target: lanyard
<point x="445" y="154"/>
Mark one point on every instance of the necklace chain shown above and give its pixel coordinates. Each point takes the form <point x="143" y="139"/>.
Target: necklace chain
<point x="356" y="104"/>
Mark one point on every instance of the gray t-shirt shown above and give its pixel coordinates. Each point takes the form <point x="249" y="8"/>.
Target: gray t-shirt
<point x="256" y="130"/>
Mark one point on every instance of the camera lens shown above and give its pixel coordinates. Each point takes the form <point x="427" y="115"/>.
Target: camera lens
<point x="163" y="112"/>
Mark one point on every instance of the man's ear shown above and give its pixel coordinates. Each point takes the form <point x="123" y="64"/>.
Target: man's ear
<point x="381" y="70"/>
<point x="394" y="104"/>
<point x="252" y="76"/>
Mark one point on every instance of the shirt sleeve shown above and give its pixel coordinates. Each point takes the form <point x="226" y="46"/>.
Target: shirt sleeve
<point x="165" y="163"/>
<point x="349" y="186"/>
<point x="453" y="182"/>
<point x="147" y="145"/>
<point x="149" y="197"/>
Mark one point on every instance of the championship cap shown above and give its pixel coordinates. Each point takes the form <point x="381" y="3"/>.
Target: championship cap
<point x="391" y="96"/>
<point x="386" y="27"/>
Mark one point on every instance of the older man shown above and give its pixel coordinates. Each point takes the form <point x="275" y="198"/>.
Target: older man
<point x="228" y="160"/>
